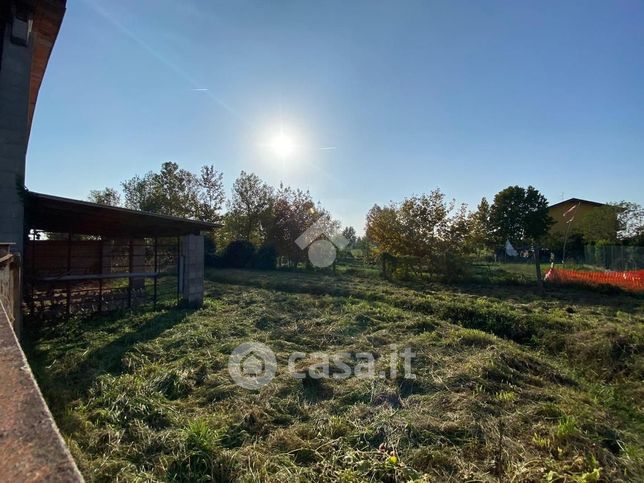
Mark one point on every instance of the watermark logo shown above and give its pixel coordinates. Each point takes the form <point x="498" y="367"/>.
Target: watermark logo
<point x="322" y="251"/>
<point x="252" y="365"/>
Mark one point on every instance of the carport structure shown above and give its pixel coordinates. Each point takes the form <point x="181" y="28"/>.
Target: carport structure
<point x="81" y="258"/>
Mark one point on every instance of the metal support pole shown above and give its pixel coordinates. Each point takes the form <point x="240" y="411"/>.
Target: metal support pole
<point x="129" y="278"/>
<point x="100" y="280"/>
<point x="156" y="269"/>
<point x="69" y="269"/>
<point x="179" y="268"/>
<point x="33" y="274"/>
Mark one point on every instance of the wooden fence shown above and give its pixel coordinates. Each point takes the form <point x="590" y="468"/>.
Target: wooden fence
<point x="10" y="286"/>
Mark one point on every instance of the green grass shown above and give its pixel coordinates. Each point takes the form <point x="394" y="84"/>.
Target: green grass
<point x="511" y="384"/>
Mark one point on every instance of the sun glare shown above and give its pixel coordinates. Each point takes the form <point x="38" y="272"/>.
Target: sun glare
<point x="282" y="145"/>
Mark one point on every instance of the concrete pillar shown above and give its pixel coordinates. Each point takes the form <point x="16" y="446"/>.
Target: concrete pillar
<point x="15" y="73"/>
<point x="191" y="270"/>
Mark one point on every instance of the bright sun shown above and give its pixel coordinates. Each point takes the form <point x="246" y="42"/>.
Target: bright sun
<point x="282" y="145"/>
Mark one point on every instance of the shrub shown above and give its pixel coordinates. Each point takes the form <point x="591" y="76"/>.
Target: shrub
<point x="266" y="258"/>
<point x="211" y="259"/>
<point x="239" y="254"/>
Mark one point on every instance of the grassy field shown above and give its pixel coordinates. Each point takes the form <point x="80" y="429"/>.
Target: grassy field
<point x="511" y="385"/>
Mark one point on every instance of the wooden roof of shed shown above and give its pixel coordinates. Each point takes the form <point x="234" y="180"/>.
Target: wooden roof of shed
<point x="65" y="215"/>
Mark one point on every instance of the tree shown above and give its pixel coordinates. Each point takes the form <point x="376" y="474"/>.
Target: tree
<point x="482" y="231"/>
<point x="271" y="217"/>
<point x="177" y="192"/>
<point x="423" y="230"/>
<point x="384" y="229"/>
<point x="292" y="213"/>
<point x="613" y="223"/>
<point x="211" y="194"/>
<point x="107" y="196"/>
<point x="521" y="215"/>
<point x="350" y="234"/>
<point x="140" y="193"/>
<point x="599" y="224"/>
<point x="630" y="217"/>
<point x="424" y="220"/>
<point x="250" y="205"/>
<point x="238" y="254"/>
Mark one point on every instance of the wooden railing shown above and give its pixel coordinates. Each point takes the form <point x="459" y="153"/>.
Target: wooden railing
<point x="10" y="286"/>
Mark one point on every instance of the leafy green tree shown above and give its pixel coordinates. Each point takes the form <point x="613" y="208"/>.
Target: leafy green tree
<point x="424" y="220"/>
<point x="350" y="234"/>
<point x="238" y="254"/>
<point x="599" y="224"/>
<point x="210" y="193"/>
<point x="521" y="216"/>
<point x="249" y="207"/>
<point x="266" y="258"/>
<point x="271" y="217"/>
<point x="424" y="230"/>
<point x="107" y="196"/>
<point x="177" y="192"/>
<point x="384" y="229"/>
<point x="630" y="221"/>
<point x="292" y="213"/>
<point x="482" y="231"/>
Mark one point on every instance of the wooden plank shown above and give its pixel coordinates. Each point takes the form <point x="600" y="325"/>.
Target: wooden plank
<point x="98" y="276"/>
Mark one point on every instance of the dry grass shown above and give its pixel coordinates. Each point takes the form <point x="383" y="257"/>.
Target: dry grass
<point x="511" y="385"/>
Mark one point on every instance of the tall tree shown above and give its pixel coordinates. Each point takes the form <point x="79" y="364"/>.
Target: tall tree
<point x="211" y="193"/>
<point x="424" y="220"/>
<point x="521" y="216"/>
<point x="293" y="212"/>
<point x="177" y="192"/>
<point x="107" y="196"/>
<point x="384" y="229"/>
<point x="482" y="232"/>
<point x="425" y="231"/>
<point x="250" y="204"/>
<point x="630" y="217"/>
<point x="350" y="234"/>
<point x="598" y="224"/>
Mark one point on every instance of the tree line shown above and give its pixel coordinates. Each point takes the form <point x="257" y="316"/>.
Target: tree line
<point x="260" y="222"/>
<point x="426" y="233"/>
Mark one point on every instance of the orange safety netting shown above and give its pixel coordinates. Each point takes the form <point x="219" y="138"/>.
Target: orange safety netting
<point x="631" y="280"/>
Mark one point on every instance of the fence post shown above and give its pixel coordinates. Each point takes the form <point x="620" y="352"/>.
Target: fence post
<point x="537" y="262"/>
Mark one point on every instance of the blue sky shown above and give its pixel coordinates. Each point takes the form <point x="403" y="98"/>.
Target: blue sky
<point x="383" y="98"/>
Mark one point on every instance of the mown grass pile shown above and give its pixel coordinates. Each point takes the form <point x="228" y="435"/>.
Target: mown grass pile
<point x="510" y="385"/>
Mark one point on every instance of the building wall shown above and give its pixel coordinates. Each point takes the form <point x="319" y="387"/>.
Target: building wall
<point x="15" y="74"/>
<point x="556" y="213"/>
<point x="28" y="31"/>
